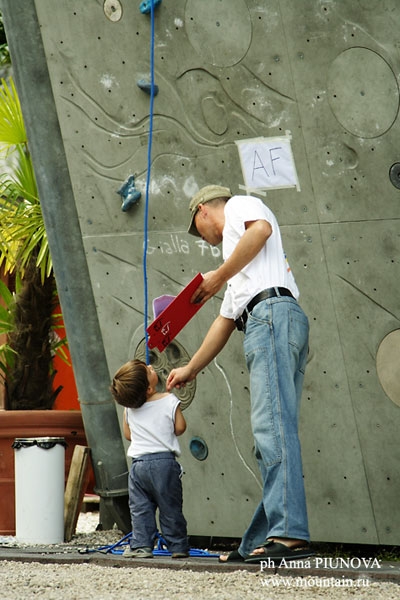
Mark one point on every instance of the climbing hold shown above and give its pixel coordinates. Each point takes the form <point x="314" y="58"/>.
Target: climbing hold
<point x="145" y="6"/>
<point x="394" y="175"/>
<point x="146" y="87"/>
<point x="130" y="195"/>
<point x="198" y="448"/>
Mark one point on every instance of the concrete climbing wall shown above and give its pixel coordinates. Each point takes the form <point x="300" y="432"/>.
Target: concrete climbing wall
<point x="324" y="72"/>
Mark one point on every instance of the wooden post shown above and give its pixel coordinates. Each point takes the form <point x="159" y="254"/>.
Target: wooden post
<point x="77" y="482"/>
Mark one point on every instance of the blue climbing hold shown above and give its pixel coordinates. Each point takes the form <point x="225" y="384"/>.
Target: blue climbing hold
<point x="130" y="195"/>
<point x="145" y="6"/>
<point x="146" y="87"/>
<point x="198" y="448"/>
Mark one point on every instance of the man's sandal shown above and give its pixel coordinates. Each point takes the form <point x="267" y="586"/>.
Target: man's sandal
<point x="233" y="556"/>
<point x="277" y="551"/>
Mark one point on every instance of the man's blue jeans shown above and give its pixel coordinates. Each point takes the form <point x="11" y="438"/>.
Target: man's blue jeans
<point x="155" y="481"/>
<point x="276" y="346"/>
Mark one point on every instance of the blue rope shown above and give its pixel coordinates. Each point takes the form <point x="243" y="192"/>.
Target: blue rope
<point x="146" y="212"/>
<point x="160" y="550"/>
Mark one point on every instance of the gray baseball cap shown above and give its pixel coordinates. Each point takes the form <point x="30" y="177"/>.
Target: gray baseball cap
<point x="207" y="193"/>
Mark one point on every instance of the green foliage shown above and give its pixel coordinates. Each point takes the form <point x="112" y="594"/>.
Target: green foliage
<point x="27" y="317"/>
<point x="4" y="52"/>
<point x="22" y="228"/>
<point x="7" y="354"/>
<point x="12" y="128"/>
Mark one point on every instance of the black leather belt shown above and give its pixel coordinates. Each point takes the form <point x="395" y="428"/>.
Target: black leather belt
<point x="274" y="292"/>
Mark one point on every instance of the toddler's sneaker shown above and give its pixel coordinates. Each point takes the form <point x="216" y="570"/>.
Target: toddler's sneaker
<point x="180" y="555"/>
<point x="138" y="552"/>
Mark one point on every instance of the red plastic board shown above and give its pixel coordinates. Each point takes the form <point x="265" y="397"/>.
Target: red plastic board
<point x="174" y="317"/>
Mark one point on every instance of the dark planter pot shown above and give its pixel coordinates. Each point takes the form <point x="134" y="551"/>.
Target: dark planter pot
<point x="14" y="424"/>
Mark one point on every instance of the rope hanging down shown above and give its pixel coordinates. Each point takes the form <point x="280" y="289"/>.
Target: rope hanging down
<point x="146" y="211"/>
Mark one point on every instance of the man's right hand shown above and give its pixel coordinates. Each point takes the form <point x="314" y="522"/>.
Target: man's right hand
<point x="179" y="377"/>
<point x="210" y="285"/>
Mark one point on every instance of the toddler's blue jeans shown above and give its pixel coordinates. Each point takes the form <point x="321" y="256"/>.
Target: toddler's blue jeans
<point x="155" y="482"/>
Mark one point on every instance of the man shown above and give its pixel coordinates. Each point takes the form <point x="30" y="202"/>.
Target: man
<point x="260" y="300"/>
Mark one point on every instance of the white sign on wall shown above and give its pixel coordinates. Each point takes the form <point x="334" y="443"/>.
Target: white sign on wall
<point x="267" y="163"/>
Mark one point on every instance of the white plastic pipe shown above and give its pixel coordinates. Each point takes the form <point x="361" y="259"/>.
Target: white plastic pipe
<point x="39" y="490"/>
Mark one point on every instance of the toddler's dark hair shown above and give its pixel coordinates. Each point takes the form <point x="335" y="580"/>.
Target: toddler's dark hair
<point x="130" y="383"/>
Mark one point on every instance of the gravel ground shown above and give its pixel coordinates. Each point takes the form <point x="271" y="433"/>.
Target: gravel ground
<point x="80" y="582"/>
<point x="26" y="581"/>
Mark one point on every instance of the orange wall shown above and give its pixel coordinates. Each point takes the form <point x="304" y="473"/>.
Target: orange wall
<point x="67" y="399"/>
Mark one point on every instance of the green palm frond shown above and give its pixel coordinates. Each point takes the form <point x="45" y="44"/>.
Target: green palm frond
<point x="7" y="325"/>
<point x="6" y="320"/>
<point x="21" y="182"/>
<point x="23" y="235"/>
<point x="22" y="231"/>
<point x="12" y="128"/>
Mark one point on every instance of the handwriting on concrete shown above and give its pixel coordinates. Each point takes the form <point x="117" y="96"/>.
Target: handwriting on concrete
<point x="174" y="244"/>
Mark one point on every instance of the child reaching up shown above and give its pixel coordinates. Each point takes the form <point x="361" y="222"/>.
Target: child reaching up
<point x="152" y="422"/>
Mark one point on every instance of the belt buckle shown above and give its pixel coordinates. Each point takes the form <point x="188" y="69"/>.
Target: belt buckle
<point x="240" y="322"/>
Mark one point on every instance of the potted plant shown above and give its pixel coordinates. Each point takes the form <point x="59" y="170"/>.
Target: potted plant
<point x="24" y="250"/>
<point x="27" y="316"/>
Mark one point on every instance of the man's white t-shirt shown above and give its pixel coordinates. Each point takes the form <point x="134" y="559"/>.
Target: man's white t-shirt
<point x="152" y="427"/>
<point x="270" y="268"/>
